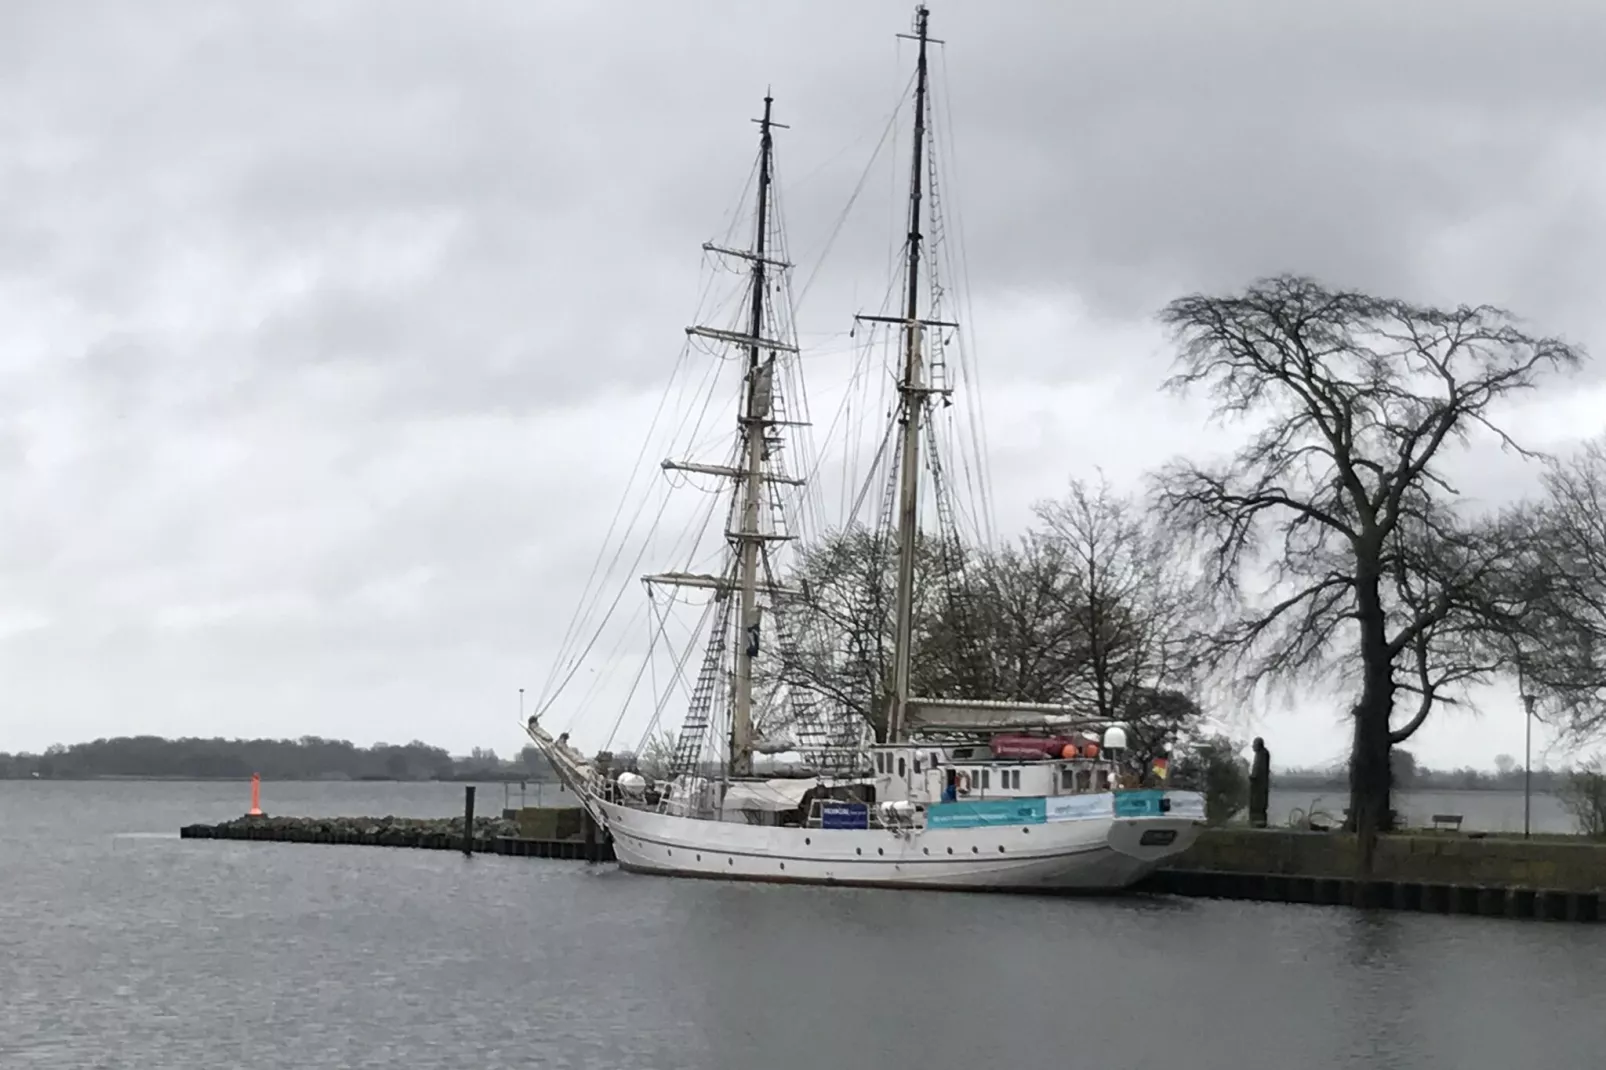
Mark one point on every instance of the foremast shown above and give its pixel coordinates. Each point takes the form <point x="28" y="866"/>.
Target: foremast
<point x="750" y="475"/>
<point x="755" y="417"/>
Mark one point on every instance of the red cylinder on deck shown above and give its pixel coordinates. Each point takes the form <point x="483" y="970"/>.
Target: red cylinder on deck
<point x="1029" y="747"/>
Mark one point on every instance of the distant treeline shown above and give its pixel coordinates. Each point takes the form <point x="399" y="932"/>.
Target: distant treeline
<point x="307" y="758"/>
<point x="1507" y="775"/>
<point x="312" y="758"/>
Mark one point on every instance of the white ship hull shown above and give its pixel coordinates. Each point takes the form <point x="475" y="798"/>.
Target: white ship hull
<point x="1088" y="854"/>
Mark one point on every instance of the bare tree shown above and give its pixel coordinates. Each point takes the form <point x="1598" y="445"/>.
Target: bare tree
<point x="1337" y="502"/>
<point x="844" y="645"/>
<point x="1562" y="640"/>
<point x="656" y="756"/>
<point x="1158" y="721"/>
<point x="1007" y="636"/>
<point x="1465" y="585"/>
<point x="1088" y="612"/>
<point x="987" y="624"/>
<point x="1131" y="598"/>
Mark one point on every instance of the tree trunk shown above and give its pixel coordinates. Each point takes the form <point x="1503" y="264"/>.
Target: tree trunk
<point x="1370" y="806"/>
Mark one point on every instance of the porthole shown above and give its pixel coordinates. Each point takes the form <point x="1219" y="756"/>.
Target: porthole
<point x="879" y="851"/>
<point x="699" y="858"/>
<point x="730" y="861"/>
<point x="926" y="849"/>
<point x="950" y="850"/>
<point x="783" y="865"/>
<point x="1000" y="848"/>
<point x="858" y="850"/>
<point x="807" y="840"/>
<point x="975" y="850"/>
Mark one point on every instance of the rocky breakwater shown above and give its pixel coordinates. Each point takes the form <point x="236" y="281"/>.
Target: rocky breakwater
<point x="437" y="833"/>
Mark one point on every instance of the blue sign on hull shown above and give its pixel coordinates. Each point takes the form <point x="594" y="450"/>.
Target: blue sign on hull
<point x="1144" y="803"/>
<point x="845" y="816"/>
<point x="985" y="812"/>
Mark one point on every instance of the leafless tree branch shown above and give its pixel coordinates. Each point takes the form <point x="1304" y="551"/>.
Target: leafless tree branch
<point x="1337" y="501"/>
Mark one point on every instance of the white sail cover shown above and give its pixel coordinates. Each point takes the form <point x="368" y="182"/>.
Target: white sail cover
<point x="769" y="796"/>
<point x="987" y="716"/>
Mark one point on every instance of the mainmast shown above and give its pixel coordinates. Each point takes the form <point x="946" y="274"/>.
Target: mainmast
<point x="913" y="391"/>
<point x="755" y="422"/>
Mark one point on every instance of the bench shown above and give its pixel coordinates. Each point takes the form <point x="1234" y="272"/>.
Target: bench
<point x="1452" y="822"/>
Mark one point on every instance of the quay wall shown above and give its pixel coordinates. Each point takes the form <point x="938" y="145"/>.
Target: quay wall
<point x="1444" y="858"/>
<point x="1440" y="873"/>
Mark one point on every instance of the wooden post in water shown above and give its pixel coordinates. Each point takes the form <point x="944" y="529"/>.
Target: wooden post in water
<point x="468" y="819"/>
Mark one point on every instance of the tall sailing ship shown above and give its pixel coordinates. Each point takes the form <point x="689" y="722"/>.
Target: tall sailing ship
<point x="903" y="789"/>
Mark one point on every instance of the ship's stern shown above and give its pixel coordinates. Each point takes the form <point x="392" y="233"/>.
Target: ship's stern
<point x="1152" y="826"/>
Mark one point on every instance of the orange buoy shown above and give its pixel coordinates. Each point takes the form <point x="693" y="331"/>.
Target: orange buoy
<point x="1069" y="751"/>
<point x="1091" y="750"/>
<point x="256" y="796"/>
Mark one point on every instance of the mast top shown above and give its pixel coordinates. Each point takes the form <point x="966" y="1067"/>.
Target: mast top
<point x="922" y="14"/>
<point x="766" y="124"/>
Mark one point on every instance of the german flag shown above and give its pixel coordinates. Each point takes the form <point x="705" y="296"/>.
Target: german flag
<point x="1161" y="768"/>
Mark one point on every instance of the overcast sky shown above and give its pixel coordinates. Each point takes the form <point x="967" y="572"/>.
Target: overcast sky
<point x="316" y="317"/>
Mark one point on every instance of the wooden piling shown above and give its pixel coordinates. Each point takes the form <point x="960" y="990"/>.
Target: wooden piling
<point x="468" y="819"/>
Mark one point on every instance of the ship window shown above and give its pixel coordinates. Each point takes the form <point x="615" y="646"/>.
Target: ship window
<point x="903" y="767"/>
<point x="1104" y="780"/>
<point x="1084" y="779"/>
<point x="1067" y="779"/>
<point x="986" y="778"/>
<point x="917" y="763"/>
<point x="880" y="763"/>
<point x="1014" y="779"/>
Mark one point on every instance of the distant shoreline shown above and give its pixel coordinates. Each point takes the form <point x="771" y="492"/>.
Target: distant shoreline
<point x="535" y="782"/>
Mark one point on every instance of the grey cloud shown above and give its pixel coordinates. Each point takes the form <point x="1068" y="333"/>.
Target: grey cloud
<point x="304" y="299"/>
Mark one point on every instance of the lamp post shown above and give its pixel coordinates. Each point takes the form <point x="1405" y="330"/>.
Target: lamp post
<point x="521" y="779"/>
<point x="1527" y="766"/>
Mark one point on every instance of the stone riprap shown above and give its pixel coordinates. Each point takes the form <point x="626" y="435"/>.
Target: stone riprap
<point x="379" y="831"/>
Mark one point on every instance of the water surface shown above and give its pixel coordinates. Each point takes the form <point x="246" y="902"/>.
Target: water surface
<point x="122" y="946"/>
